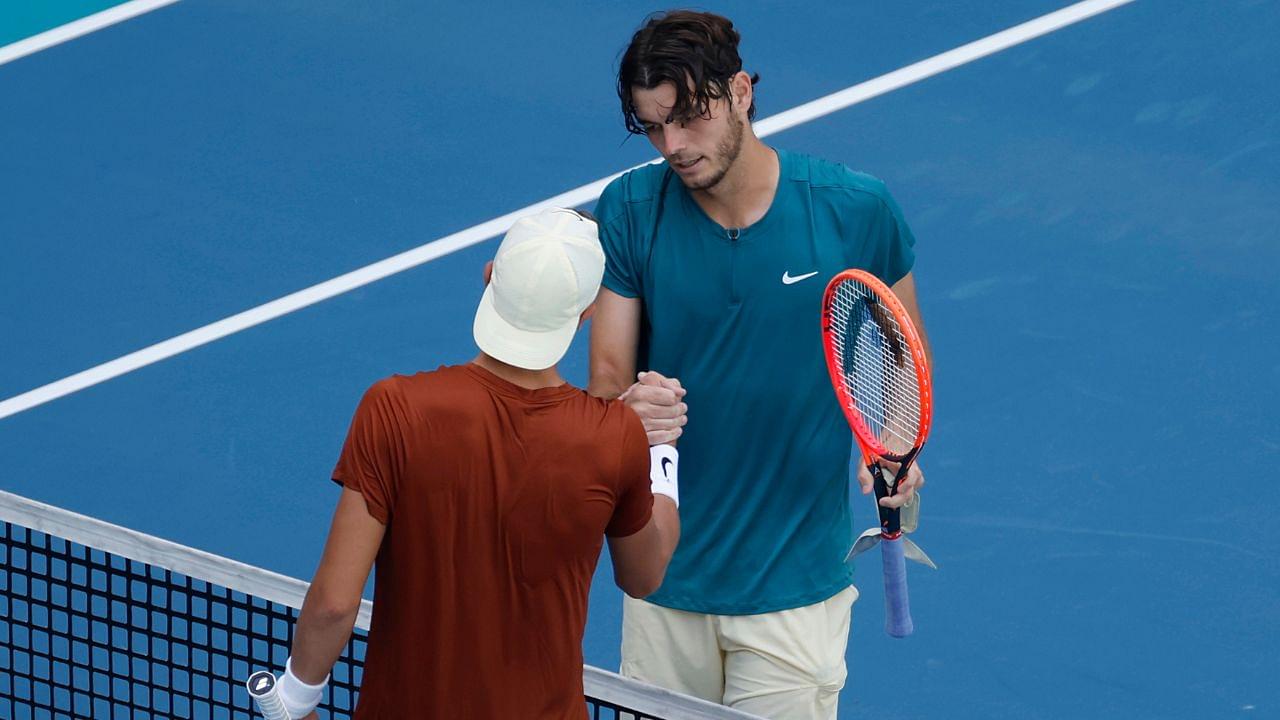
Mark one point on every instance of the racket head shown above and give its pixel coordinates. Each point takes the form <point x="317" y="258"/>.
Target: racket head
<point x="877" y="364"/>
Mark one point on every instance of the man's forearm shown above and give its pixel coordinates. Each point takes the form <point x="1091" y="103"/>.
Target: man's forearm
<point x="615" y="336"/>
<point x="905" y="290"/>
<point x="667" y="519"/>
<point x="318" y="641"/>
<point x="607" y="381"/>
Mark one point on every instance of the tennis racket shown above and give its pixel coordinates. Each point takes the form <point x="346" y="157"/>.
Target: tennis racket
<point x="264" y="691"/>
<point x="881" y="378"/>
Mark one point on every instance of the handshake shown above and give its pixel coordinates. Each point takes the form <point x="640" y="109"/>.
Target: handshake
<point x="659" y="401"/>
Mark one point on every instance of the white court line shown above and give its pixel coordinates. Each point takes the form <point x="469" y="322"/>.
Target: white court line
<point x="936" y="65"/>
<point x="75" y="29"/>
<point x="578" y="196"/>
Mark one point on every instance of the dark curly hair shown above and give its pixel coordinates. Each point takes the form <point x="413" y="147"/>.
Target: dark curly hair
<point x="685" y="48"/>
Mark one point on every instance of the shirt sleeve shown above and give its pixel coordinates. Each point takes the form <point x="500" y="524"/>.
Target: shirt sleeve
<point x="895" y="253"/>
<point x="634" y="505"/>
<point x="372" y="459"/>
<point x="621" y="272"/>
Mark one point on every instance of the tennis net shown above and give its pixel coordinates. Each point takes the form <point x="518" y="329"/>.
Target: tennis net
<point x="98" y="621"/>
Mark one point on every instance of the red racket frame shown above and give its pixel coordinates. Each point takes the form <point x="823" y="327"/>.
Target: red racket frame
<point x="870" y="443"/>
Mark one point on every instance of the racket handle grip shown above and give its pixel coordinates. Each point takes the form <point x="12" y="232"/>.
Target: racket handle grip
<point x="897" y="608"/>
<point x="266" y="696"/>
<point x="890" y="518"/>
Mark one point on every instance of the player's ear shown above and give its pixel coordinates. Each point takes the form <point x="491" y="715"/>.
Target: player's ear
<point x="488" y="272"/>
<point x="743" y="91"/>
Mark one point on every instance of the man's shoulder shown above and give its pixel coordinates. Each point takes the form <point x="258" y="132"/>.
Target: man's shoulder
<point x="637" y="186"/>
<point x="612" y="413"/>
<point x="400" y="386"/>
<point x="625" y="429"/>
<point x="613" y="418"/>
<point x="822" y="174"/>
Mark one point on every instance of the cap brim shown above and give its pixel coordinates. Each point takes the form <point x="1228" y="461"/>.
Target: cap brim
<point x="524" y="349"/>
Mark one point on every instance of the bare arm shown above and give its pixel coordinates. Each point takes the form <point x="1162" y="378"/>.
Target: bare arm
<point x="640" y="560"/>
<point x="905" y="290"/>
<point x="615" y="338"/>
<point x="332" y="602"/>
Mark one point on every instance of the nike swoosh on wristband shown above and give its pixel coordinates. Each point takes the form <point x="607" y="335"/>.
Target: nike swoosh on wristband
<point x="788" y="280"/>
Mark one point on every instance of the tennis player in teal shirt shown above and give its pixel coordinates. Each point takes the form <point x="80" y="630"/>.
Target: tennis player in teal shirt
<point x="716" y="264"/>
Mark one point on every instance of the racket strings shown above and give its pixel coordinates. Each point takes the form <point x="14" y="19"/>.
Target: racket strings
<point x="875" y="367"/>
<point x="880" y="394"/>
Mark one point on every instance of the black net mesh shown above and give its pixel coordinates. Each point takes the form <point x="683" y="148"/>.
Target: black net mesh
<point x="88" y="634"/>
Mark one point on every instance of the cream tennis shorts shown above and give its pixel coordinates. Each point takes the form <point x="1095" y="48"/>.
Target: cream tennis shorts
<point x="780" y="665"/>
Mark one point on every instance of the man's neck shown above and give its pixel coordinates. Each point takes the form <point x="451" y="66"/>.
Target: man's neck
<point x="527" y="379"/>
<point x="745" y="193"/>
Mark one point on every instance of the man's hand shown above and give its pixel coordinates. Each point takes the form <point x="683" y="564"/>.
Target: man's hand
<point x="907" y="487"/>
<point x="658" y="401"/>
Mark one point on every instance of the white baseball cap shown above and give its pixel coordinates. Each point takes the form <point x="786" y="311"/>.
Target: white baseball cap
<point x="547" y="271"/>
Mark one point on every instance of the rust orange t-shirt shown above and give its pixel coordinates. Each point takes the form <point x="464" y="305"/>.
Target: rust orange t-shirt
<point x="496" y="500"/>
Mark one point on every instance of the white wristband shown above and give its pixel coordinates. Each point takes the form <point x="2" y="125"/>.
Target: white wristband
<point x="664" y="462"/>
<point x="299" y="698"/>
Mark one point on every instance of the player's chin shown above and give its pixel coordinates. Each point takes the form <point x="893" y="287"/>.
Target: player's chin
<point x="704" y="180"/>
<point x="694" y="183"/>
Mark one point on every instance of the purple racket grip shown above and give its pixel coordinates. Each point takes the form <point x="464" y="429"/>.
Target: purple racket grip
<point x="897" y="609"/>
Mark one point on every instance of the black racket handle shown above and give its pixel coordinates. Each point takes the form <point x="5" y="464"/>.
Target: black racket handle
<point x="890" y="518"/>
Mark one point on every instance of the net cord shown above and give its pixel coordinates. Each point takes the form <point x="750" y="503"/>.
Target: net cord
<point x="600" y="685"/>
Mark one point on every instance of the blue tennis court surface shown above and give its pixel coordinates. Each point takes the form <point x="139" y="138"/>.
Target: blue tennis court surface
<point x="1097" y="214"/>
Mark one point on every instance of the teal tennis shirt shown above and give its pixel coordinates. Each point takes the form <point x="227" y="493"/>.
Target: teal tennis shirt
<point x="735" y="314"/>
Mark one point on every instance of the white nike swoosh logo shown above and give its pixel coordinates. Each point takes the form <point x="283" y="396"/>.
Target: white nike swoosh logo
<point x="788" y="280"/>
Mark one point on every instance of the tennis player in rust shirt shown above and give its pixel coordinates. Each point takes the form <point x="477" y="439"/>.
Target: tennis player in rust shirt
<point x="484" y="492"/>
